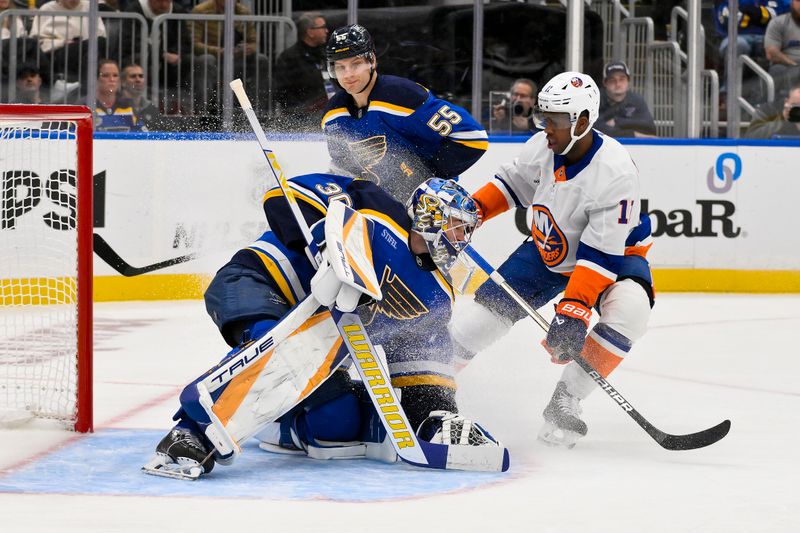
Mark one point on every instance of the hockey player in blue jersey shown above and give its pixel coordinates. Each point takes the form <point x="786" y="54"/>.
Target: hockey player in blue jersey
<point x="388" y="129"/>
<point x="411" y="248"/>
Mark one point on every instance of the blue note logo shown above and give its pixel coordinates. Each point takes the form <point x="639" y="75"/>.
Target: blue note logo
<point x="721" y="176"/>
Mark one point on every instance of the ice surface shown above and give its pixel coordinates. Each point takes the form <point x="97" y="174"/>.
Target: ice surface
<point x="705" y="358"/>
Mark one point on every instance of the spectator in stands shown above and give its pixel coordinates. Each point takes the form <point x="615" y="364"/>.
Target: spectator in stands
<point x="179" y="70"/>
<point x="29" y="85"/>
<point x="787" y="123"/>
<point x="134" y="87"/>
<point x="302" y="83"/>
<point x="623" y="113"/>
<point x="782" y="46"/>
<point x="519" y="107"/>
<point x="114" y="112"/>
<point x="753" y="17"/>
<point x="63" y="38"/>
<point x="248" y="64"/>
<point x="5" y="28"/>
<point x="109" y="6"/>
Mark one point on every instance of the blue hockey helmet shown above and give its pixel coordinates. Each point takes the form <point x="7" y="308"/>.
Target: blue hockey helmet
<point x="445" y="215"/>
<point x="349" y="41"/>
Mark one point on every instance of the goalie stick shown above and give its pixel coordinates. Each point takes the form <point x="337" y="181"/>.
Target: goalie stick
<point x="368" y="361"/>
<point x="112" y="258"/>
<point x="691" y="441"/>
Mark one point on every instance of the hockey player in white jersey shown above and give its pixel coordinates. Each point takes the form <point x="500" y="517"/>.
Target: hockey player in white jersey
<point x="589" y="240"/>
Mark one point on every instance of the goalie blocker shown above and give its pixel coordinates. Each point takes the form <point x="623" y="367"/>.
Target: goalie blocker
<point x="281" y="376"/>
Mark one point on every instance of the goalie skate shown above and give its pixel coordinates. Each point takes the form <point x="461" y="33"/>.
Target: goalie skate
<point x="162" y="465"/>
<point x="562" y="423"/>
<point x="180" y="455"/>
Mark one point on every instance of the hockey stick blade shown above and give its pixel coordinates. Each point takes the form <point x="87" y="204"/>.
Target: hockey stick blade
<point x="693" y="441"/>
<point x="112" y="258"/>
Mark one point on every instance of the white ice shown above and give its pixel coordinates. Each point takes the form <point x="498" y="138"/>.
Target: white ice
<point x="705" y="358"/>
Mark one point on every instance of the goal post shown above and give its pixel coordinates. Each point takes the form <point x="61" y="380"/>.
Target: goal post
<point x="46" y="220"/>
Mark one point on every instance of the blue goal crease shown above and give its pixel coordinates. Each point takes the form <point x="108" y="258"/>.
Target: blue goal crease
<point x="108" y="463"/>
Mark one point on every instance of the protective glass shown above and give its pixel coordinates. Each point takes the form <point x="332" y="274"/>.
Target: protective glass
<point x="543" y="119"/>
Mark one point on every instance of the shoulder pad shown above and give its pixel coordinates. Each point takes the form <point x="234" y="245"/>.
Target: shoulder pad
<point x="399" y="91"/>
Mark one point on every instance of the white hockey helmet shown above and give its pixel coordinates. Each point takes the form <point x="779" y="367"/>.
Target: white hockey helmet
<point x="572" y="93"/>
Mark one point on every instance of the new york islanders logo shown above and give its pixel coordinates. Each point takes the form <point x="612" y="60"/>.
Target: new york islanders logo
<point x="549" y="238"/>
<point x="576" y="82"/>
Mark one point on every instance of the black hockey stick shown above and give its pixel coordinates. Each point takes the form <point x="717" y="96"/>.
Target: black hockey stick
<point x="691" y="441"/>
<point x="107" y="254"/>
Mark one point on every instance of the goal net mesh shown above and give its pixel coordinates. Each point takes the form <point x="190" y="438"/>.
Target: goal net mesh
<point x="38" y="271"/>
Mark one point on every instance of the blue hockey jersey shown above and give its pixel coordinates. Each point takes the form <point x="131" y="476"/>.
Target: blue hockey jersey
<point x="409" y="322"/>
<point x="403" y="137"/>
<point x="754" y="15"/>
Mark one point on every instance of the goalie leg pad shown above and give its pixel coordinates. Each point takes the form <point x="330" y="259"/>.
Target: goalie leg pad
<point x="264" y="379"/>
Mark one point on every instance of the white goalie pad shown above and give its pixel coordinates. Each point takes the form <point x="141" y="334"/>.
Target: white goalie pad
<point x="269" y="377"/>
<point x="348" y="239"/>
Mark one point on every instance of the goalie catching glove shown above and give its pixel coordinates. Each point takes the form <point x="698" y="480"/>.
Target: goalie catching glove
<point x="347" y="271"/>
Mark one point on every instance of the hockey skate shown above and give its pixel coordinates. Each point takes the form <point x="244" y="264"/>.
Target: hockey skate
<point x="562" y="423"/>
<point x="181" y="454"/>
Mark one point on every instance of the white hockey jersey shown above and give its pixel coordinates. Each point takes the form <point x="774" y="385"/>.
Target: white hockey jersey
<point x="584" y="215"/>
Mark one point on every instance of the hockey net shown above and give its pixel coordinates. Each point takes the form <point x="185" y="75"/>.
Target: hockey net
<point x="45" y="265"/>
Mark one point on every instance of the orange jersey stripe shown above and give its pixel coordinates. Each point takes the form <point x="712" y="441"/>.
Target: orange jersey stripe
<point x="601" y="359"/>
<point x="586" y="285"/>
<point x="638" y="250"/>
<point x="493" y="202"/>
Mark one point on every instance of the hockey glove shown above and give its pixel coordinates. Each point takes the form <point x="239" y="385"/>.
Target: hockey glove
<point x="329" y="289"/>
<point x="567" y="330"/>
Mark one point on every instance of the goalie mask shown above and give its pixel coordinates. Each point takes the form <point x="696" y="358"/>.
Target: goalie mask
<point x="350" y="41"/>
<point x="445" y="215"/>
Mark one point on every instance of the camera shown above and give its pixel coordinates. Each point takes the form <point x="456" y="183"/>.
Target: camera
<point x="794" y="113"/>
<point x="517" y="108"/>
